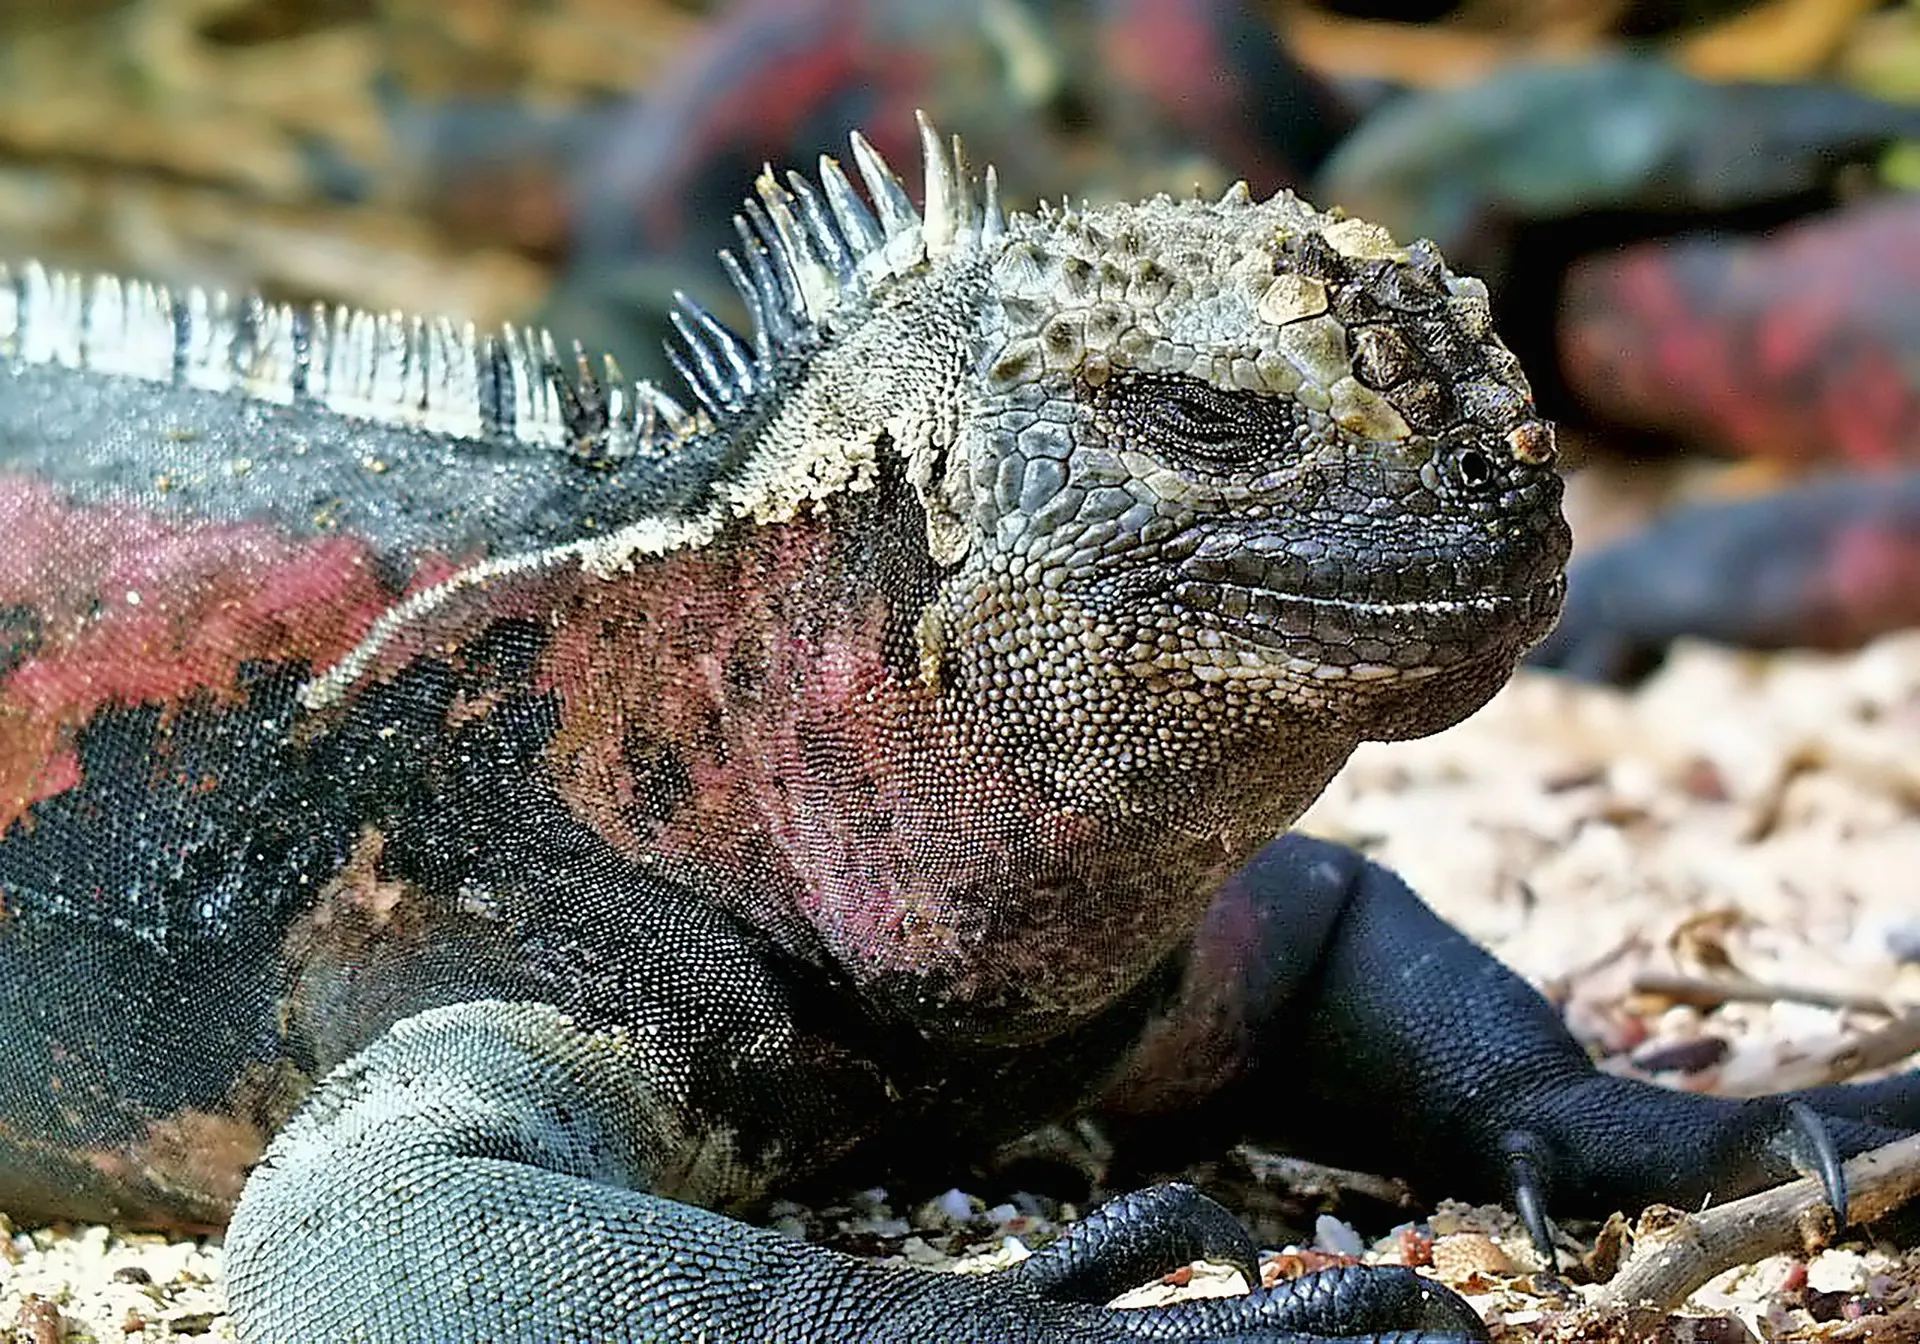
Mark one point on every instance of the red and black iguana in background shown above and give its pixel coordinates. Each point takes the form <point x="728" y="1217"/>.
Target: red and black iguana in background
<point x="541" y="816"/>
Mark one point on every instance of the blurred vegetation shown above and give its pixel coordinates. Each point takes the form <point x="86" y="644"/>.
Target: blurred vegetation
<point x="425" y="153"/>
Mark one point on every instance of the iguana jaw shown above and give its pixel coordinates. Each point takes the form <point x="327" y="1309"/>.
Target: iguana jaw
<point x="1382" y="637"/>
<point x="1344" y="639"/>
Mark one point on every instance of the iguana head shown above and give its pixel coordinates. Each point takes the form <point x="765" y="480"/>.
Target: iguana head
<point x="1202" y="482"/>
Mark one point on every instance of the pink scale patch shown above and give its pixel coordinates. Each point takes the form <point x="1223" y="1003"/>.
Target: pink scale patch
<point x="131" y="607"/>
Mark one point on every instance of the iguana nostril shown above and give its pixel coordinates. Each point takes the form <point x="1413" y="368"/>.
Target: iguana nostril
<point x="1474" y="468"/>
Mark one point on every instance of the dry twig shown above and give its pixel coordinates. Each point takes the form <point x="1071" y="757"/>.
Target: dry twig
<point x="1676" y="1252"/>
<point x="1314" y="1178"/>
<point x="1712" y="991"/>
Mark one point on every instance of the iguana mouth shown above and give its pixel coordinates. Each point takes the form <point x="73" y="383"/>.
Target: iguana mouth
<point x="1369" y="636"/>
<point x="1377" y="606"/>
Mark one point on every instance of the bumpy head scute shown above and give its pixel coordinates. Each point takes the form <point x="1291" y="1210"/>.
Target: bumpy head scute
<point x="1269" y="297"/>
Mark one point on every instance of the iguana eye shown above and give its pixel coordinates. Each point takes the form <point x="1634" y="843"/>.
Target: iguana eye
<point x="1195" y="414"/>
<point x="1204" y="423"/>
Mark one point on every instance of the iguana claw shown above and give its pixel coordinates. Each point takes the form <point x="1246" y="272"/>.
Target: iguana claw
<point x="1530" y="1194"/>
<point x="1805" y="1141"/>
<point x="1808" y="1144"/>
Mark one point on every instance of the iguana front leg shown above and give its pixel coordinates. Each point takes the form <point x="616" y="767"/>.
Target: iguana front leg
<point x="482" y="1172"/>
<point x="1317" y="965"/>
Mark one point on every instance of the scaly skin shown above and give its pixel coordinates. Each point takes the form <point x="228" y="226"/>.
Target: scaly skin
<point x="637" y="810"/>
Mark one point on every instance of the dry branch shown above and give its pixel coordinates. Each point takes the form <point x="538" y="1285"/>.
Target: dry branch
<point x="1712" y="991"/>
<point x="1675" y="1252"/>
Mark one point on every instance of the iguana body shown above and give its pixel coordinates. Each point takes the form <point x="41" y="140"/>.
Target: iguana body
<point x="638" y="809"/>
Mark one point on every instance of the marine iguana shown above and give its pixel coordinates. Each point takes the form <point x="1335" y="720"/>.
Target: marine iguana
<point x="509" y="820"/>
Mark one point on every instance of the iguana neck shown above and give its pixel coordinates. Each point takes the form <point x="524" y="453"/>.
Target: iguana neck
<point x="761" y="721"/>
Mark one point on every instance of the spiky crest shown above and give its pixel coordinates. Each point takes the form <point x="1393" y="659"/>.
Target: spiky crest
<point x="807" y="255"/>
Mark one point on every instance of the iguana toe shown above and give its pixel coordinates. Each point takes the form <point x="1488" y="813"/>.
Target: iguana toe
<point x="1137" y="1237"/>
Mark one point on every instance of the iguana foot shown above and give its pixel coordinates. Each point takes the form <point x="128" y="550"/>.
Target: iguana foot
<point x="1137" y="1237"/>
<point x="1420" y="1045"/>
<point x="1767" y="1139"/>
<point x="1352" y="1304"/>
<point x="1131" y="1239"/>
